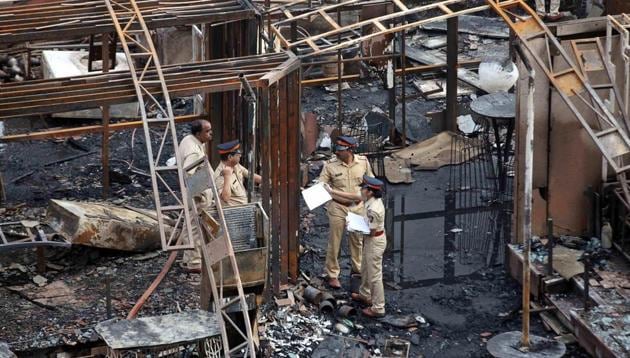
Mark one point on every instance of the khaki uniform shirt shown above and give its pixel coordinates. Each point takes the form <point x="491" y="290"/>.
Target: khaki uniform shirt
<point x="238" y="191"/>
<point x="375" y="211"/>
<point x="347" y="178"/>
<point x="344" y="177"/>
<point x="190" y="150"/>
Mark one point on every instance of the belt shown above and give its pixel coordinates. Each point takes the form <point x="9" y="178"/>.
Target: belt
<point x="378" y="233"/>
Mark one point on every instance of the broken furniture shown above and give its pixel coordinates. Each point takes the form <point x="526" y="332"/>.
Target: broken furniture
<point x="24" y="234"/>
<point x="173" y="335"/>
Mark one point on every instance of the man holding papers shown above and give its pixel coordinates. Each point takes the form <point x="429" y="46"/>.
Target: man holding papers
<point x="344" y="174"/>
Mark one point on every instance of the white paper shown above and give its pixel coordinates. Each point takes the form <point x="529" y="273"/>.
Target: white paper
<point x="357" y="223"/>
<point x="316" y="196"/>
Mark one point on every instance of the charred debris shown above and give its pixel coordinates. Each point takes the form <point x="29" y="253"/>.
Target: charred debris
<point x="500" y="129"/>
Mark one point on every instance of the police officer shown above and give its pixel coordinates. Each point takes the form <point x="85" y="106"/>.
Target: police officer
<point x="371" y="292"/>
<point x="344" y="173"/>
<point x="192" y="148"/>
<point x="229" y="175"/>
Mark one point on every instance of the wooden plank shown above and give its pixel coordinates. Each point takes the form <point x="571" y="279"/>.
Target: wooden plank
<point x="430" y="58"/>
<point x="329" y="19"/>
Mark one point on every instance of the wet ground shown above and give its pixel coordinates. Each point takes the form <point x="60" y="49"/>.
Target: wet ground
<point x="464" y="301"/>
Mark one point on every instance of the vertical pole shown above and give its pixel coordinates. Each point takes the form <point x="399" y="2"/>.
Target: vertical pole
<point x="105" y="49"/>
<point x="585" y="277"/>
<point x="41" y="259"/>
<point x="339" y="74"/>
<point x="403" y="80"/>
<point x="452" y="25"/>
<point x="108" y="294"/>
<point x="550" y="245"/>
<point x="390" y="83"/>
<point x="27" y="63"/>
<point x="527" y="187"/>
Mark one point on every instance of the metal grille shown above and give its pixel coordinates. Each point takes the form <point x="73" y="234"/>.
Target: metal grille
<point x="480" y="192"/>
<point x="371" y="135"/>
<point x="241" y="223"/>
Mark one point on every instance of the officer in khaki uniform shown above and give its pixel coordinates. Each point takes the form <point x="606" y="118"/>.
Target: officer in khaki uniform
<point x="230" y="174"/>
<point x="191" y="148"/>
<point x="371" y="291"/>
<point x="344" y="174"/>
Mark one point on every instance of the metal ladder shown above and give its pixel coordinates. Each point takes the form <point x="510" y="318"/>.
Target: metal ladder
<point x="216" y="247"/>
<point x="622" y="26"/>
<point x="571" y="85"/>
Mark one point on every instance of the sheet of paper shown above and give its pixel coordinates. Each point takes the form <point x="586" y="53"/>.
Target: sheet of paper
<point x="316" y="196"/>
<point x="357" y="223"/>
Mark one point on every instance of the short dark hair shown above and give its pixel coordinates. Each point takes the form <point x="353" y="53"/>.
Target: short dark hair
<point x="196" y="126"/>
<point x="376" y="193"/>
<point x="224" y="157"/>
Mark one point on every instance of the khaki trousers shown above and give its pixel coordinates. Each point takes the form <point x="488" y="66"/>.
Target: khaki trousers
<point x="337" y="223"/>
<point x="192" y="258"/>
<point x="372" y="273"/>
<point x="554" y="7"/>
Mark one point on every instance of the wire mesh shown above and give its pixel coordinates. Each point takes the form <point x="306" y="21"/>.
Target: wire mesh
<point x="241" y="223"/>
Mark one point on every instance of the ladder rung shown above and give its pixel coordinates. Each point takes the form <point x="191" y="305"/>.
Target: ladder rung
<point x="561" y="73"/>
<point x="510" y="3"/>
<point x="606" y="131"/>
<point x="230" y="302"/>
<point x="623" y="169"/>
<point x="158" y="120"/>
<point x="167" y="167"/>
<point x="535" y="35"/>
<point x="141" y="54"/>
<point x="171" y="208"/>
<point x="150" y="82"/>
<point x="604" y="86"/>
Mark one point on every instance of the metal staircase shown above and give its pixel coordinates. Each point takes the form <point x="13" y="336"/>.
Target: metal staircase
<point x="573" y="87"/>
<point x="173" y="190"/>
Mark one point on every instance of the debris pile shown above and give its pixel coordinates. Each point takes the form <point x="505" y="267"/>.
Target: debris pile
<point x="10" y="70"/>
<point x="291" y="334"/>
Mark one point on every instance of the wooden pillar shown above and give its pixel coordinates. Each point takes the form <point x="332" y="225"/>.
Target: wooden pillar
<point x="293" y="173"/>
<point x="451" y="73"/>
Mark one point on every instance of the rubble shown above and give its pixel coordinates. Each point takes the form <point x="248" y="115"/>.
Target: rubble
<point x="290" y="333"/>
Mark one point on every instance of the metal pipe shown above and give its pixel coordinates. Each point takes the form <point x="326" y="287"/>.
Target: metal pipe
<point x="390" y="83"/>
<point x="312" y="294"/>
<point x="527" y="187"/>
<point x="326" y="296"/>
<point x="326" y="307"/>
<point x="250" y="96"/>
<point x="154" y="285"/>
<point x="346" y="311"/>
<point x="403" y="80"/>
